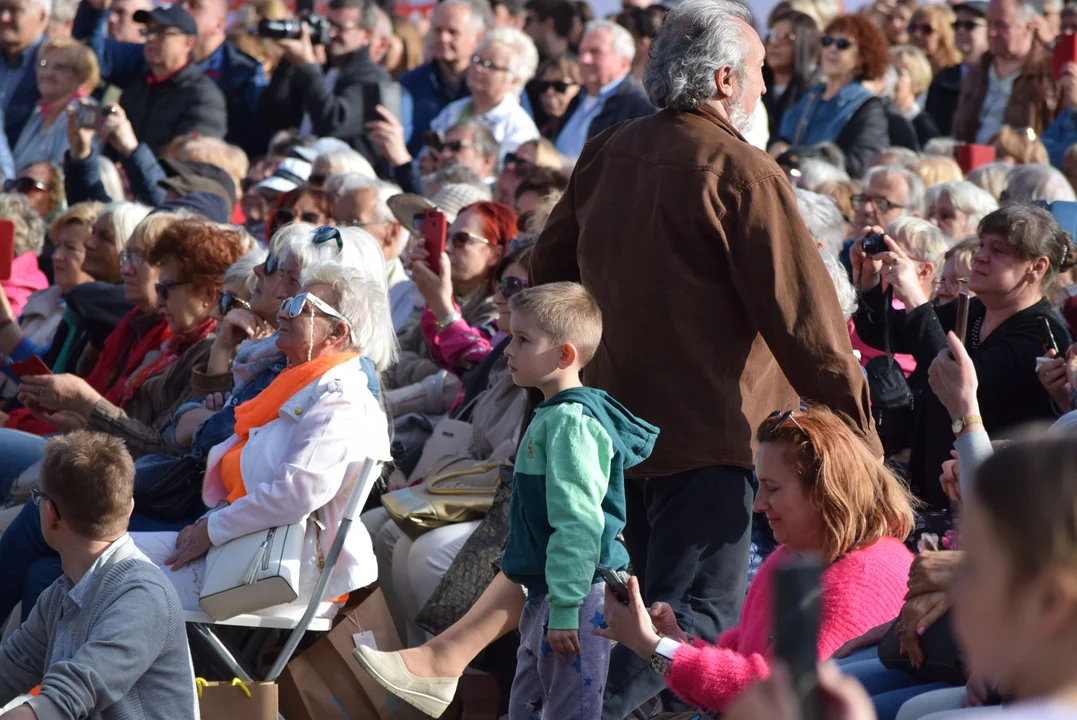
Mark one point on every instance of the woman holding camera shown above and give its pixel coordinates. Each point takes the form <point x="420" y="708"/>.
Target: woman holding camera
<point x="1010" y="324"/>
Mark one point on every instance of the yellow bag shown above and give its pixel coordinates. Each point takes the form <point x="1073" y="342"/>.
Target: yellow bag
<point x="457" y="489"/>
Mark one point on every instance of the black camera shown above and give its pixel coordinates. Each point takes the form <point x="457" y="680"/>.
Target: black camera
<point x="874" y="244"/>
<point x="292" y="28"/>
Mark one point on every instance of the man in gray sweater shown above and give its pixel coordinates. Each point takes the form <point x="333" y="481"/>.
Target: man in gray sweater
<point x="105" y="641"/>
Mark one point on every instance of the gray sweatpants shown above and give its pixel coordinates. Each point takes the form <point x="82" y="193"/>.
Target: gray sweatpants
<point x="545" y="689"/>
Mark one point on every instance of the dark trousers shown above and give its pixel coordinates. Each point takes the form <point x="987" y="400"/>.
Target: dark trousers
<point x="688" y="536"/>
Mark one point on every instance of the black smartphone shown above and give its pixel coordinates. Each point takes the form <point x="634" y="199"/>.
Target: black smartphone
<point x="962" y="325"/>
<point x="386" y="94"/>
<point x="617" y="580"/>
<point x="796" y="630"/>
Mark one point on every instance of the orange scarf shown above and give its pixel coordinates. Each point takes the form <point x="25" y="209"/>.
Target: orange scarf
<point x="264" y="407"/>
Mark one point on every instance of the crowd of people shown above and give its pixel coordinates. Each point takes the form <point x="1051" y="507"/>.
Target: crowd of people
<point x="717" y="292"/>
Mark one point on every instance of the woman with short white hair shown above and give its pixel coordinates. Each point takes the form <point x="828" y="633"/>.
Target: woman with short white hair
<point x="958" y="207"/>
<point x="1037" y="182"/>
<point x="925" y="244"/>
<point x="991" y="177"/>
<point x="502" y="64"/>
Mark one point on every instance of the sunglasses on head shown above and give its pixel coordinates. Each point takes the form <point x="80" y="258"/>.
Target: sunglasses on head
<point x="227" y="302"/>
<point x="558" y="86"/>
<point x="839" y="43"/>
<point x="24" y="185"/>
<point x="293" y="307"/>
<point x="779" y="418"/>
<point x="461" y="240"/>
<point x="283" y="216"/>
<point x="512" y="286"/>
<point x="165" y="288"/>
<point x="326" y="234"/>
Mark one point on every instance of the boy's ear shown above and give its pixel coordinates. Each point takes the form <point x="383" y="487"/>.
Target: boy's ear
<point x="568" y="356"/>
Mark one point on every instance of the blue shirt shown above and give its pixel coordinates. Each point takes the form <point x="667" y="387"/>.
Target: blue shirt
<point x="574" y="134"/>
<point x="18" y="88"/>
<point x="429" y="93"/>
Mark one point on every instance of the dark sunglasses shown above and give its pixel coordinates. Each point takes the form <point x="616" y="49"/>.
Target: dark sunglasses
<point x="512" y="286"/>
<point x="779" y="418"/>
<point x="227" y="302"/>
<point x="326" y="233"/>
<point x="514" y="159"/>
<point x="317" y="180"/>
<point x="164" y="288"/>
<point x="36" y="496"/>
<point x="558" y="86"/>
<point x="966" y="25"/>
<point x="24" y="185"/>
<point x="272" y="264"/>
<point x="922" y="28"/>
<point x="840" y="43"/>
<point x="457" y="145"/>
<point x="283" y="216"/>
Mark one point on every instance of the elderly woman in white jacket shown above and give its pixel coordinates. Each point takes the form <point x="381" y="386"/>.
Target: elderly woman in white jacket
<point x="297" y="443"/>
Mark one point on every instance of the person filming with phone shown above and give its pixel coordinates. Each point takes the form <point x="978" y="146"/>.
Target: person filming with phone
<point x="825" y="495"/>
<point x="1016" y="269"/>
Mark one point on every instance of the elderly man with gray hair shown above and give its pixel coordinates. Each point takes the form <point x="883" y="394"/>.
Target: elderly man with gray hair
<point x="677" y="225"/>
<point x="609" y="95"/>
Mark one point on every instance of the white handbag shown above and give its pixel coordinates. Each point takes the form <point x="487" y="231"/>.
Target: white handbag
<point x="253" y="572"/>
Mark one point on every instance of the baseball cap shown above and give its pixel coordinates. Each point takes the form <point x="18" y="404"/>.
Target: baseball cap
<point x="977" y="7"/>
<point x="169" y="15"/>
<point x="290" y="174"/>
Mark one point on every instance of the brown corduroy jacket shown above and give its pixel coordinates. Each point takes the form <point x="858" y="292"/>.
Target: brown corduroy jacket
<point x="717" y="309"/>
<point x="1033" y="101"/>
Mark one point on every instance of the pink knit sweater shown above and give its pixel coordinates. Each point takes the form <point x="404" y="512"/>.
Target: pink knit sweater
<point x="863" y="589"/>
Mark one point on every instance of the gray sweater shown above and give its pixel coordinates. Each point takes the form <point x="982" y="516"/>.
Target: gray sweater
<point x="124" y="656"/>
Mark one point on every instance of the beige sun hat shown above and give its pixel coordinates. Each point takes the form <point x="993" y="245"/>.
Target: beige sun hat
<point x="451" y="199"/>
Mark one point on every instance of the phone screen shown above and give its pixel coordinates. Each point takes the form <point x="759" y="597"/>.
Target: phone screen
<point x="796" y="630"/>
<point x="7" y="248"/>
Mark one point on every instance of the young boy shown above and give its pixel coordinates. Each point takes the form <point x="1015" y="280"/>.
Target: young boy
<point x="568" y="504"/>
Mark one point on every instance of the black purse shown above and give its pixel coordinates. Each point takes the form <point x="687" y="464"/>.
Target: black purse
<point x="892" y="401"/>
<point x="170" y="491"/>
<point x="942" y="657"/>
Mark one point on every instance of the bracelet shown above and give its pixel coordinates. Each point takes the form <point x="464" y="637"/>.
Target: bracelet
<point x="448" y="320"/>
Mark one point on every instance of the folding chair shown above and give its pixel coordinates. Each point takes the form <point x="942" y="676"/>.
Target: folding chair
<point x="202" y="625"/>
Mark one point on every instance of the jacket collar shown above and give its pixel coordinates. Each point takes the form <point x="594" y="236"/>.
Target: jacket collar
<point x="294" y="407"/>
<point x="709" y="113"/>
<point x="152" y="81"/>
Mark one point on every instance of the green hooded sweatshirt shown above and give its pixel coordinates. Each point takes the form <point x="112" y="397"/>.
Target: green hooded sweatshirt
<point x="568" y="497"/>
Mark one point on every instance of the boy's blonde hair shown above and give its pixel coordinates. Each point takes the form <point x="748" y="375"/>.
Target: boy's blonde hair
<point x="567" y="311"/>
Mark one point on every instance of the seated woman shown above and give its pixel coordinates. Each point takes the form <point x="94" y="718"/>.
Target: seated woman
<point x="1022" y="251"/>
<point x="957" y="270"/>
<point x="842" y="110"/>
<point x="913" y="78"/>
<point x="824" y="494"/>
<point x="67" y="70"/>
<point x="531" y="154"/>
<point x="26" y="277"/>
<point x="296" y="442"/>
<point x="303" y="204"/>
<point x="959" y="207"/>
<point x="114" y="227"/>
<point x="458" y="325"/>
<point x="557" y="83"/>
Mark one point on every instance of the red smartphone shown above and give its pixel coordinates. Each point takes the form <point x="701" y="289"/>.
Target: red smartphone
<point x="970" y="157"/>
<point x="434" y="229"/>
<point x="1065" y="52"/>
<point x="32" y="365"/>
<point x="7" y="248"/>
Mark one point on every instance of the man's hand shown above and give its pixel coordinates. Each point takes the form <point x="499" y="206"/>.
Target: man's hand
<point x="299" y="52"/>
<point x="565" y="643"/>
<point x="387" y="135"/>
<point x="118" y="132"/>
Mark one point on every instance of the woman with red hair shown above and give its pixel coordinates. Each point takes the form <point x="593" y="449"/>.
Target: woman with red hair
<point x="841" y="110"/>
<point x="459" y="321"/>
<point x="303" y="204"/>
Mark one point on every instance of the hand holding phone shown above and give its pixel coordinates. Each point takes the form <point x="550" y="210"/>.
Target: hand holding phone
<point x="434" y="227"/>
<point x="962" y="324"/>
<point x="7" y="248"/>
<point x="617" y="581"/>
<point x="32" y="365"/>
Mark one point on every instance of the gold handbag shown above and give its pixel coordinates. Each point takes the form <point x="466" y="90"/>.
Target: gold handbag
<point x="457" y="489"/>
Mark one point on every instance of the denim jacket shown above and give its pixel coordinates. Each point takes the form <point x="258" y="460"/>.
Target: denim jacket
<point x="814" y="120"/>
<point x="1060" y="136"/>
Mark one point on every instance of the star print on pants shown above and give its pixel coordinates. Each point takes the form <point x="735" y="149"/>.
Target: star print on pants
<point x="598" y="622"/>
<point x="535" y="705"/>
<point x="545" y="647"/>
<point x="578" y="664"/>
<point x="587" y="682"/>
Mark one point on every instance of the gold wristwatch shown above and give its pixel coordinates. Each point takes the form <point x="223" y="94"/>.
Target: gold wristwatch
<point x="962" y="423"/>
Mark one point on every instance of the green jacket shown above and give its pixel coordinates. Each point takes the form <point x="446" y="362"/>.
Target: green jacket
<point x="568" y="497"/>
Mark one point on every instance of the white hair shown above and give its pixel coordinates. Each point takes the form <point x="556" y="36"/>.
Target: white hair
<point x="363" y="302"/>
<point x="621" y="41"/>
<point x="991" y="177"/>
<point x="63" y="10"/>
<point x="346" y="160"/>
<point x="110" y="177"/>
<point x="1029" y="183"/>
<point x="523" y="56"/>
<point x="943" y="146"/>
<point x="125" y="217"/>
<point x="45" y="5"/>
<point x="814" y="173"/>
<point x="482" y="15"/>
<point x="697" y="38"/>
<point x="242" y="270"/>
<point x="847" y="297"/>
<point x="926" y="242"/>
<point x="382" y="213"/>
<point x="901" y="156"/>
<point x="823" y="219"/>
<point x="915" y="201"/>
<point x="968" y="198"/>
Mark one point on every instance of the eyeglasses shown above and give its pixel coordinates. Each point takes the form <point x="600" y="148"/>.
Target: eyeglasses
<point x="292" y="307"/>
<point x="476" y="60"/>
<point x="519" y="162"/>
<point x="966" y="25"/>
<point x="880" y="203"/>
<point x="59" y="67"/>
<point x="284" y="216"/>
<point x="456" y="145"/>
<point x="558" y="86"/>
<point x="461" y="240"/>
<point x="921" y="28"/>
<point x="785" y="37"/>
<point x="164" y="288"/>
<point x="343" y="27"/>
<point x="512" y="286"/>
<point x="158" y="33"/>
<point x="227" y="302"/>
<point x="135" y="258"/>
<point x="37" y="496"/>
<point x="317" y="180"/>
<point x="839" y="43"/>
<point x="25" y="185"/>
<point x="272" y="264"/>
<point x="952" y="284"/>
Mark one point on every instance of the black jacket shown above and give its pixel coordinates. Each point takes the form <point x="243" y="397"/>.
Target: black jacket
<point x="1009" y="392"/>
<point x="777" y="104"/>
<point x="866" y="133"/>
<point x="628" y="101"/>
<point x="242" y="80"/>
<point x="902" y="131"/>
<point x="942" y="97"/>
<point x="340" y="112"/>
<point x="186" y="102"/>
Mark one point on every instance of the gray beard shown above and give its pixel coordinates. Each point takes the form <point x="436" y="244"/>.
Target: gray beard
<point x="738" y="118"/>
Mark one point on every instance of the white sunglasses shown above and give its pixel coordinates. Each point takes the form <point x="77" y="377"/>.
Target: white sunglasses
<point x="292" y="307"/>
